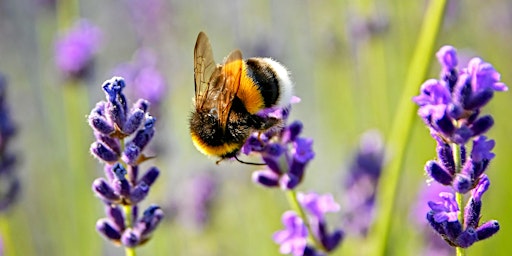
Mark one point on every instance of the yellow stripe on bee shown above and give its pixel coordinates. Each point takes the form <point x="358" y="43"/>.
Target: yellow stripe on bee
<point x="249" y="93"/>
<point x="208" y="150"/>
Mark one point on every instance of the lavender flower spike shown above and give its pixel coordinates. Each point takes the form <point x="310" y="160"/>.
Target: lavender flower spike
<point x="74" y="51"/>
<point x="451" y="108"/>
<point x="116" y="126"/>
<point x="9" y="182"/>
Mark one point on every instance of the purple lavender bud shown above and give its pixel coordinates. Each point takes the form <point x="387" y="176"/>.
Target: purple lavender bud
<point x="482" y="149"/>
<point x="150" y="220"/>
<point x="445" y="124"/>
<point x="150" y="176"/>
<point x="462" y="154"/>
<point x="487" y="229"/>
<point x="139" y="192"/>
<point x="130" y="238"/>
<point x="472" y="213"/>
<point x="290" y="180"/>
<point x="462" y="135"/>
<point x="273" y="164"/>
<point x="292" y="239"/>
<point x="105" y="228"/>
<point x="292" y="131"/>
<point x="141" y="104"/>
<point x="302" y="150"/>
<point x="121" y="185"/>
<point x="102" y="152"/>
<point x="116" y="107"/>
<point x="462" y="183"/>
<point x="447" y="210"/>
<point x="466" y="238"/>
<point x="111" y="142"/>
<point x="254" y="143"/>
<point x="454" y="111"/>
<point x="332" y="241"/>
<point x="438" y="173"/>
<point x="267" y="178"/>
<point x="116" y="217"/>
<point x="104" y="190"/>
<point x="480" y="99"/>
<point x="100" y="124"/>
<point x="131" y="154"/>
<point x="433" y="92"/>
<point x="464" y="92"/>
<point x="445" y="155"/>
<point x="133" y="121"/>
<point x="318" y="205"/>
<point x="479" y="167"/>
<point x="437" y="226"/>
<point x="453" y="230"/>
<point x="481" y="188"/>
<point x="142" y="137"/>
<point x="482" y="125"/>
<point x="447" y="57"/>
<point x="484" y="76"/>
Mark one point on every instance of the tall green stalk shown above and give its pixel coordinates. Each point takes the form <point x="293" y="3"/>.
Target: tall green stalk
<point x="402" y="125"/>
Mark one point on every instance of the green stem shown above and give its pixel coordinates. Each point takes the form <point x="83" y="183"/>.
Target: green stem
<point x="9" y="248"/>
<point x="402" y="126"/>
<point x="458" y="196"/>
<point x="295" y="205"/>
<point x="129" y="251"/>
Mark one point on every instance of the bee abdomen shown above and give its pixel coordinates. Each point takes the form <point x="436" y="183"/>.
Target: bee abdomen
<point x="265" y="83"/>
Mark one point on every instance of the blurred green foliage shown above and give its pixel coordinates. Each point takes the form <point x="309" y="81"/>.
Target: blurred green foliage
<point x="348" y="60"/>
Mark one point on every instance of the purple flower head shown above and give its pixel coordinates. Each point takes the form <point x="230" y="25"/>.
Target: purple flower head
<point x="318" y="205"/>
<point x="116" y="127"/>
<point x="285" y="154"/>
<point x="447" y="57"/>
<point x="450" y="106"/>
<point x="293" y="239"/>
<point x="75" y="50"/>
<point x="361" y="182"/>
<point x="9" y="182"/>
<point x="148" y="82"/>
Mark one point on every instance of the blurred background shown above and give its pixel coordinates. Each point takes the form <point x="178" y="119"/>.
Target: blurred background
<point x="348" y="59"/>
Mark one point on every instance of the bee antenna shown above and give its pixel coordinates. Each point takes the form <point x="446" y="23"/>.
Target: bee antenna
<point x="248" y="163"/>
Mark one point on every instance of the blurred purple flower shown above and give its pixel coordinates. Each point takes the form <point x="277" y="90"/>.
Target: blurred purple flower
<point x="9" y="182"/>
<point x="75" y="50"/>
<point x="293" y="239"/>
<point x="113" y="123"/>
<point x="194" y="204"/>
<point x="146" y="80"/>
<point x="361" y="183"/>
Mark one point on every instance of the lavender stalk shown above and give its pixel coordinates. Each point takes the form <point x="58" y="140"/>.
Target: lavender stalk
<point x="121" y="134"/>
<point x="451" y="108"/>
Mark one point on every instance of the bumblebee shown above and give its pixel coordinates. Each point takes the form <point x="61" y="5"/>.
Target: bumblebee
<point x="229" y="96"/>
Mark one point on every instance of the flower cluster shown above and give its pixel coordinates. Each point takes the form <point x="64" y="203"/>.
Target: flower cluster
<point x="361" y="183"/>
<point x="286" y="145"/>
<point x="74" y="51"/>
<point x="123" y="189"/>
<point x="451" y="108"/>
<point x="9" y="182"/>
<point x="286" y="155"/>
<point x="293" y="239"/>
<point x="146" y="80"/>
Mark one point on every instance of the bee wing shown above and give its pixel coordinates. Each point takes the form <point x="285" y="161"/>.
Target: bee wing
<point x="204" y="69"/>
<point x="231" y="73"/>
